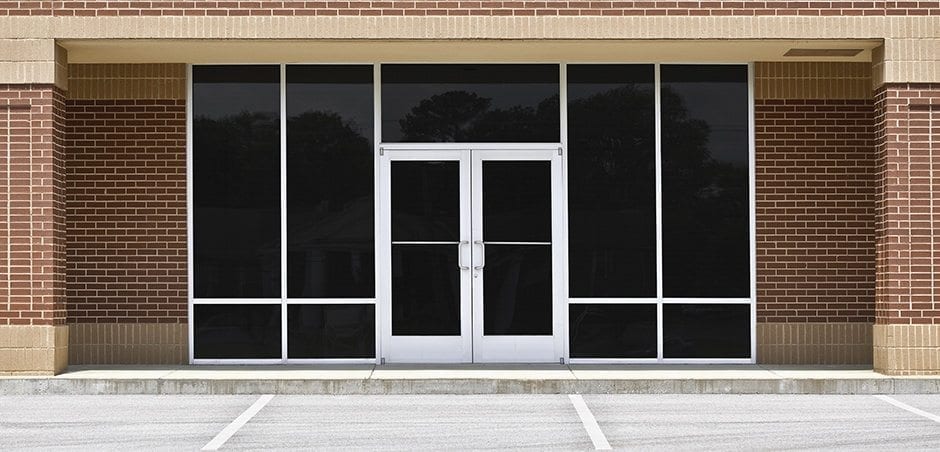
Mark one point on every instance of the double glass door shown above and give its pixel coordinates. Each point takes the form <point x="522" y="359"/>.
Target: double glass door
<point x="469" y="253"/>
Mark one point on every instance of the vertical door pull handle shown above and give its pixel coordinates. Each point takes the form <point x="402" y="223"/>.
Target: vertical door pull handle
<point x="460" y="264"/>
<point x="482" y="254"/>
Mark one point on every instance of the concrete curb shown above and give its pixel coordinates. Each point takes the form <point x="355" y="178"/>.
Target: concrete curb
<point x="94" y="386"/>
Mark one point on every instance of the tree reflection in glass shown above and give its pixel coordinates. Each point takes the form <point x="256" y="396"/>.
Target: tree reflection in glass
<point x="511" y="103"/>
<point x="330" y="206"/>
<point x="236" y="182"/>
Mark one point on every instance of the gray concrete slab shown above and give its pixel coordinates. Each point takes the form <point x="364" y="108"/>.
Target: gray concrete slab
<point x="759" y="422"/>
<point x="470" y="379"/>
<point x="115" y="422"/>
<point x="472" y="371"/>
<point x="415" y="422"/>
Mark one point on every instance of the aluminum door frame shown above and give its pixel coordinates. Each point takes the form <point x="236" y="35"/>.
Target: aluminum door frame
<point x="423" y="349"/>
<point x="520" y="348"/>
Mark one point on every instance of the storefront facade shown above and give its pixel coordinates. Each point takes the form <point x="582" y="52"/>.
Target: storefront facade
<point x="701" y="187"/>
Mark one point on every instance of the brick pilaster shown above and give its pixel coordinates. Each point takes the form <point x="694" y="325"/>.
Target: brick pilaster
<point x="33" y="335"/>
<point x="907" y="285"/>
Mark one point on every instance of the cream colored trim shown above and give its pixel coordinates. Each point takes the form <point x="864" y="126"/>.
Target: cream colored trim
<point x="127" y="81"/>
<point x="470" y="27"/>
<point x="29" y="61"/>
<point x="812" y="80"/>
<point x="62" y="67"/>
<point x="27" y="50"/>
<point x="21" y="72"/>
<point x="278" y="51"/>
<point x="907" y="349"/>
<point x="33" y="349"/>
<point x="128" y="343"/>
<point x="814" y="343"/>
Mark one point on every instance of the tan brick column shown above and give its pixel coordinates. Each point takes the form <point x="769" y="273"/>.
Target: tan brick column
<point x="907" y="297"/>
<point x="33" y="335"/>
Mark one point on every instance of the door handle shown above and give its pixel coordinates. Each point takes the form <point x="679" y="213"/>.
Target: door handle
<point x="460" y="264"/>
<point x="482" y="254"/>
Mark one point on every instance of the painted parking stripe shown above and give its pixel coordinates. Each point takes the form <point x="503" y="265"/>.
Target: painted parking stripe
<point x="904" y="406"/>
<point x="590" y="424"/>
<point x="241" y="420"/>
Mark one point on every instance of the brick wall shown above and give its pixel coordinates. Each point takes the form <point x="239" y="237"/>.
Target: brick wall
<point x="126" y="214"/>
<point x="815" y="210"/>
<point x="459" y="7"/>
<point x="126" y="211"/>
<point x="32" y="198"/>
<point x="908" y="195"/>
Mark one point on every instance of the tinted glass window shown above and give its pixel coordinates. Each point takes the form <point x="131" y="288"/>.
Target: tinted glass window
<point x="470" y="103"/>
<point x="517" y="290"/>
<point x="236" y="182"/>
<point x="331" y="331"/>
<point x="612" y="181"/>
<point x="612" y="330"/>
<point x="705" y="181"/>
<point x="330" y="208"/>
<point x="236" y="331"/>
<point x="425" y="201"/>
<point x="425" y="290"/>
<point x="706" y="331"/>
<point x="517" y="201"/>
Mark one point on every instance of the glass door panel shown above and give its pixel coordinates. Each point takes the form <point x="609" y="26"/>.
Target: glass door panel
<point x="425" y="208"/>
<point x="515" y="272"/>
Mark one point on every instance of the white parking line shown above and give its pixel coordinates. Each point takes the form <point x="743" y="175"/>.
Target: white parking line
<point x="904" y="406"/>
<point x="241" y="420"/>
<point x="590" y="424"/>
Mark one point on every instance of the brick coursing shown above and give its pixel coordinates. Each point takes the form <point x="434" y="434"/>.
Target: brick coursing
<point x="32" y="200"/>
<point x="126" y="210"/>
<point x="907" y="130"/>
<point x="815" y="210"/>
<point x="467" y="8"/>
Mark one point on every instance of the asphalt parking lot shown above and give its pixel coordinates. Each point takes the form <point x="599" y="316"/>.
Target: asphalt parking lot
<point x="442" y="422"/>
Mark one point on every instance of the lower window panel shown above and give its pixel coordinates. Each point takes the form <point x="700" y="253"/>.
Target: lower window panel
<point x="706" y="330"/>
<point x="612" y="330"/>
<point x="237" y="331"/>
<point x="331" y="331"/>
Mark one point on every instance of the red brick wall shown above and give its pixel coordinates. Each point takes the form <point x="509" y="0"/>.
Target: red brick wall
<point x="126" y="208"/>
<point x="815" y="210"/>
<point x="459" y="7"/>
<point x="32" y="197"/>
<point x="908" y="203"/>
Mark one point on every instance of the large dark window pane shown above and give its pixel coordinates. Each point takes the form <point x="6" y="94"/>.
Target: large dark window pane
<point x="425" y="201"/>
<point x="517" y="201"/>
<point x="331" y="331"/>
<point x="612" y="181"/>
<point x="612" y="330"/>
<point x="470" y="103"/>
<point x="706" y="331"/>
<point x="425" y="290"/>
<point x="330" y="208"/>
<point x="236" y="331"/>
<point x="705" y="181"/>
<point x="236" y="182"/>
<point x="517" y="290"/>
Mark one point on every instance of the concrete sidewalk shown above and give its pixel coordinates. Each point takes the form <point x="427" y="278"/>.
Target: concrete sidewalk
<point x="470" y="379"/>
